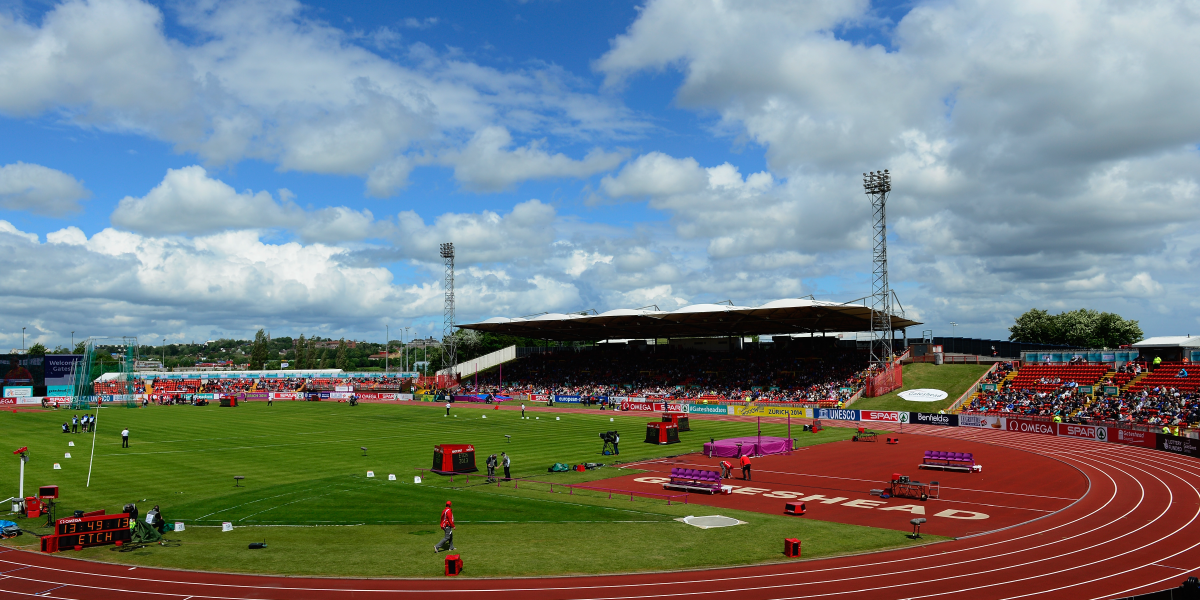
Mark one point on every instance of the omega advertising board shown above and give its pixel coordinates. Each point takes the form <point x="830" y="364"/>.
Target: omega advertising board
<point x="637" y="406"/>
<point x="1091" y="432"/>
<point x="1016" y="425"/>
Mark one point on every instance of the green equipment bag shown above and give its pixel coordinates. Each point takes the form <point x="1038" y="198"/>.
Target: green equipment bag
<point x="559" y="468"/>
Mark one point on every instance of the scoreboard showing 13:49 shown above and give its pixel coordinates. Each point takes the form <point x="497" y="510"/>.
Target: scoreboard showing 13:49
<point x="80" y="532"/>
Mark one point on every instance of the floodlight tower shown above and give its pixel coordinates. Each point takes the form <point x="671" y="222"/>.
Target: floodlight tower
<point x="877" y="185"/>
<point x="447" y="252"/>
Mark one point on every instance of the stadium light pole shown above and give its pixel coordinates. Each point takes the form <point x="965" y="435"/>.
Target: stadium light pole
<point x="877" y="185"/>
<point x="387" y="340"/>
<point x="22" y="338"/>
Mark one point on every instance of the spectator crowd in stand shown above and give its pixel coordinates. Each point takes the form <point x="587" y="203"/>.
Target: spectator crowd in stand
<point x="1153" y="406"/>
<point x="778" y="375"/>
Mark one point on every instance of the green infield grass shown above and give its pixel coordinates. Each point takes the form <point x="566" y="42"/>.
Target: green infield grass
<point x="952" y="379"/>
<point x="307" y="494"/>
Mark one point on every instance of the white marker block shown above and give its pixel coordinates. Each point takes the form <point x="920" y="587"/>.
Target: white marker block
<point x="56" y="466"/>
<point x="370" y="473"/>
<point x="555" y="418"/>
<point x="70" y="443"/>
<point x="610" y="419"/>
<point x="226" y="526"/>
<point x="538" y="418"/>
<point x="67" y="455"/>
<point x="391" y="476"/>
<point x="417" y="479"/>
<point x="179" y="526"/>
<point x="485" y="416"/>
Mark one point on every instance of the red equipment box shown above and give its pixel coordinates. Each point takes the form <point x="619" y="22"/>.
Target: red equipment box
<point x="454" y="458"/>
<point x="453" y="565"/>
<point x="33" y="507"/>
<point x="662" y="433"/>
<point x="791" y="547"/>
<point x="795" y="508"/>
<point x="680" y="421"/>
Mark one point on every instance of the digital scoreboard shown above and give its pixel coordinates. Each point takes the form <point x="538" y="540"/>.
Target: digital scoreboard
<point x="81" y="532"/>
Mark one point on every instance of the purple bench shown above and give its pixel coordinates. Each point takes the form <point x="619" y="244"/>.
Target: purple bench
<point x="951" y="460"/>
<point x="694" y="480"/>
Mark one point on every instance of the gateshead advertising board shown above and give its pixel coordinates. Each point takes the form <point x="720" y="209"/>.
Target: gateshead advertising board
<point x="1027" y="426"/>
<point x="1091" y="432"/>
<point x="1145" y="439"/>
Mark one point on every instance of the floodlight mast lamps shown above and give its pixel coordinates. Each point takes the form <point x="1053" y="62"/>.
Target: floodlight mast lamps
<point x="447" y="252"/>
<point x="877" y="185"/>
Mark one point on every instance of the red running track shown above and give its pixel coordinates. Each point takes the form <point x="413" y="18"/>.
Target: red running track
<point x="834" y="480"/>
<point x="1136" y="529"/>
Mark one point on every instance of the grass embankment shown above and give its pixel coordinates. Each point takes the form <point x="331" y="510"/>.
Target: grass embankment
<point x="952" y="379"/>
<point x="306" y="491"/>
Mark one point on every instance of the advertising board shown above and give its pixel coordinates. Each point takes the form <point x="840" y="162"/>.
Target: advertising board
<point x="1178" y="445"/>
<point x="1145" y="439"/>
<point x="933" y="419"/>
<point x="18" y="391"/>
<point x="637" y="405"/>
<point x="1091" y="432"/>
<point x="981" y="421"/>
<point x="776" y="411"/>
<point x="883" y="416"/>
<point x="376" y="396"/>
<point x="837" y="414"/>
<point x="707" y="409"/>
<point x="567" y="399"/>
<point x="1015" y="424"/>
<point x="287" y="395"/>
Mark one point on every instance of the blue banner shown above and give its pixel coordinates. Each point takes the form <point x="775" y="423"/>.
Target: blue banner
<point x="837" y="414"/>
<point x="567" y="399"/>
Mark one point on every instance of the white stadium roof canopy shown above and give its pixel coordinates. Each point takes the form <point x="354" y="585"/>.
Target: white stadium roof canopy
<point x="782" y="317"/>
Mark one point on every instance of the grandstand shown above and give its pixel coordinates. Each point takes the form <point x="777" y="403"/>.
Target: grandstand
<point x="792" y="373"/>
<point x="1135" y="394"/>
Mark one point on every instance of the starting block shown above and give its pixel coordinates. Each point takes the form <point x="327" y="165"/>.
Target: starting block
<point x="795" y="508"/>
<point x="893" y="440"/>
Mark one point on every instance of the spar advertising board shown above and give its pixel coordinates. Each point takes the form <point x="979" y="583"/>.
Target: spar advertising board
<point x="933" y="419"/>
<point x="1091" y="432"/>
<point x="837" y="414"/>
<point x="287" y="395"/>
<point x="1028" y="426"/>
<point x="883" y="416"/>
<point x="1145" y="439"/>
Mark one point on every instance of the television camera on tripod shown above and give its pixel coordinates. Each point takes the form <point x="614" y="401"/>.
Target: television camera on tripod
<point x="610" y="442"/>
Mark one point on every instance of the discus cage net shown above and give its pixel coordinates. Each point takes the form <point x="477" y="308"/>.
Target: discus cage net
<point x="98" y="360"/>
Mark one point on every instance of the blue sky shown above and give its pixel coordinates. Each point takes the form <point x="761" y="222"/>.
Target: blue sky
<point x="203" y="169"/>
